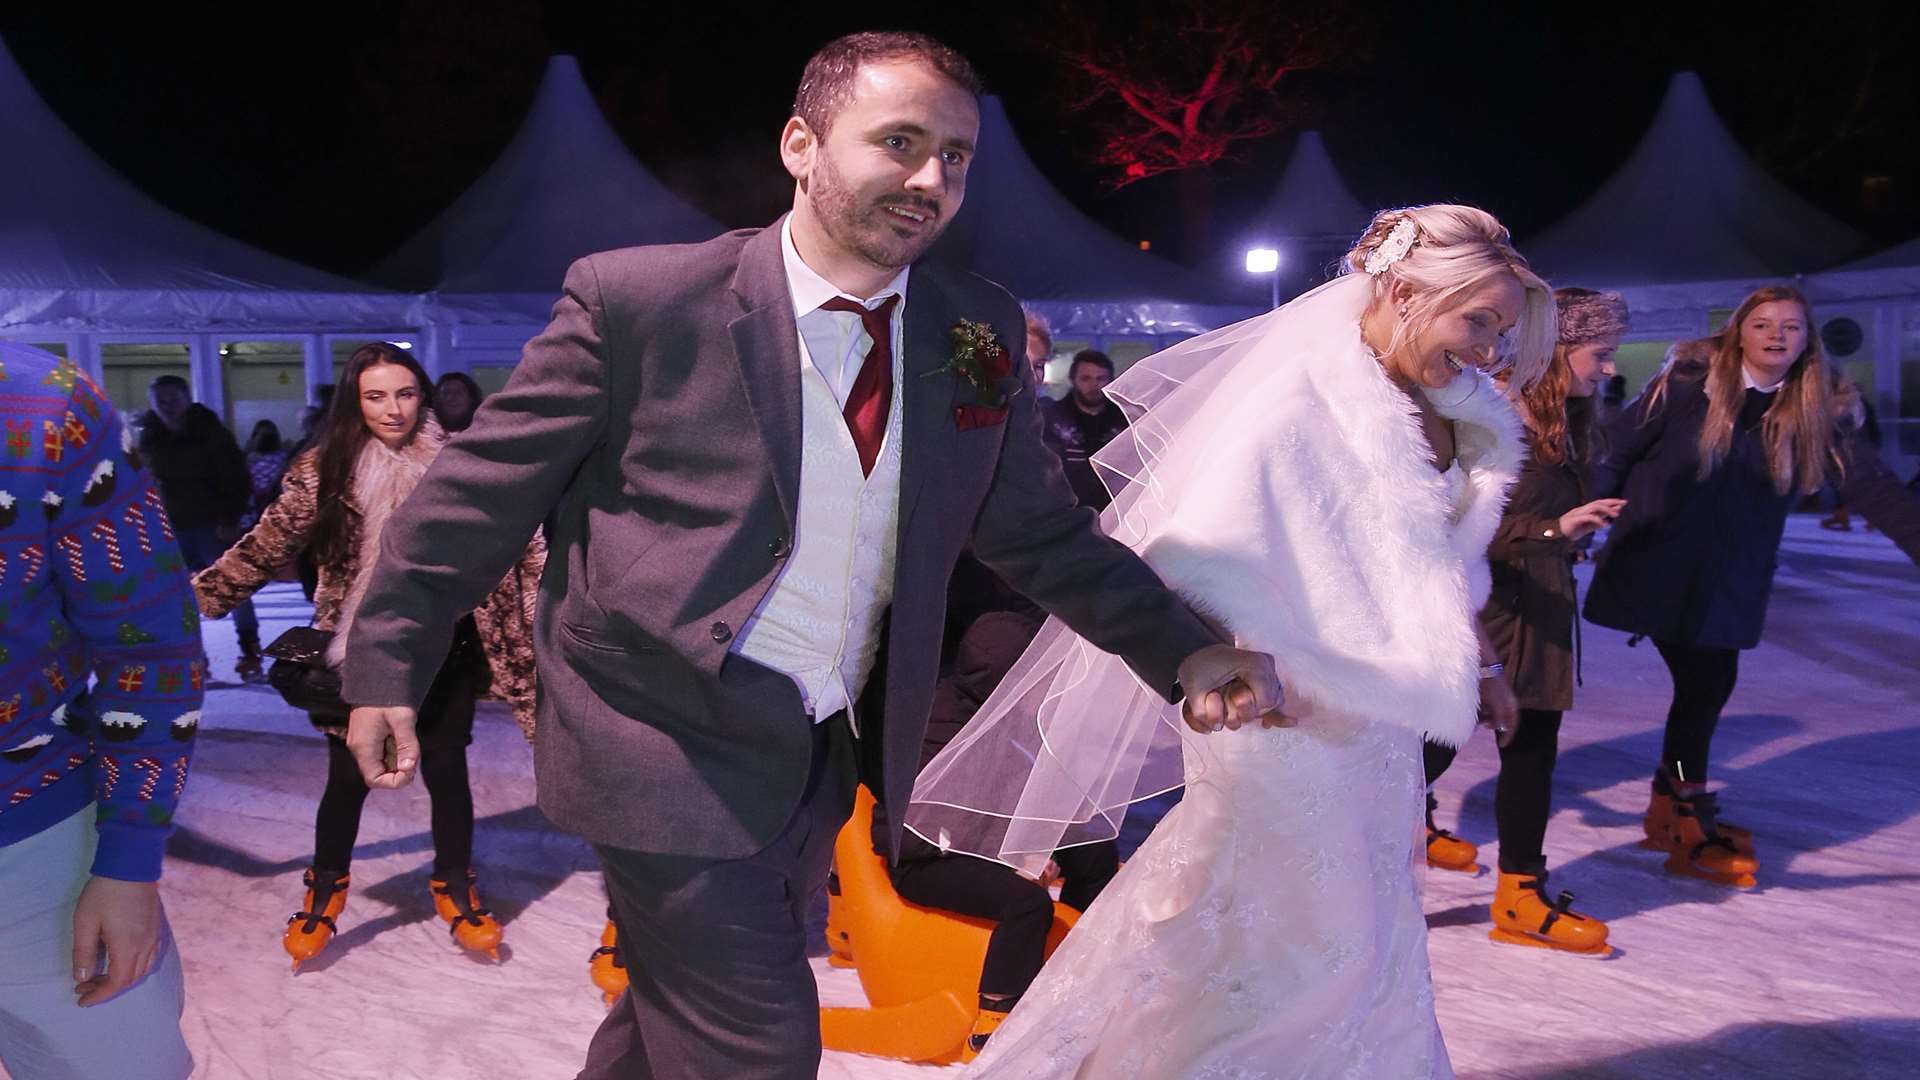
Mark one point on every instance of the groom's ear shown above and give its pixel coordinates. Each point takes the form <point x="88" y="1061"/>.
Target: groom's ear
<point x="798" y="144"/>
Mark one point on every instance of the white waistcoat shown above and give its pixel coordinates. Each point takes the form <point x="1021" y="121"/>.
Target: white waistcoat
<point x="820" y="624"/>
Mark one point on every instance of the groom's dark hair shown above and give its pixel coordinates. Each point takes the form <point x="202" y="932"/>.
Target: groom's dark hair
<point x="827" y="80"/>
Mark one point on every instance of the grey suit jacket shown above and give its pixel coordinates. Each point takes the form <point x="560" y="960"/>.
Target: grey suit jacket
<point x="654" y="428"/>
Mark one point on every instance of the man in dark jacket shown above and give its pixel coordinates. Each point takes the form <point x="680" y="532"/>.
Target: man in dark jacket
<point x="1077" y="426"/>
<point x="204" y="485"/>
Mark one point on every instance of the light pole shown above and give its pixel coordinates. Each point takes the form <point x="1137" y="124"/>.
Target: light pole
<point x="1266" y="261"/>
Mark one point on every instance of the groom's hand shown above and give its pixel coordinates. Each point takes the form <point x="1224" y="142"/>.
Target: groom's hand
<point x="383" y="744"/>
<point x="1227" y="687"/>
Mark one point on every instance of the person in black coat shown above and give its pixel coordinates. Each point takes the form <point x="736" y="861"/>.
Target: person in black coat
<point x="1530" y="616"/>
<point x="1710" y="458"/>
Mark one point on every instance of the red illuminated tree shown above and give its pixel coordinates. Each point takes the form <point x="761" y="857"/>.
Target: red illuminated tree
<point x="1182" y="84"/>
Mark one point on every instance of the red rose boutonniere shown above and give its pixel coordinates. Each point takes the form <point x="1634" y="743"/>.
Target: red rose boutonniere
<point x="980" y="359"/>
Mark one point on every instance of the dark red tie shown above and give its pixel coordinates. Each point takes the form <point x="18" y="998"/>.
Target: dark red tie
<point x="872" y="394"/>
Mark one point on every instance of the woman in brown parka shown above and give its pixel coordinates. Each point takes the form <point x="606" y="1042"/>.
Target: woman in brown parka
<point x="1532" y="619"/>
<point x="375" y="443"/>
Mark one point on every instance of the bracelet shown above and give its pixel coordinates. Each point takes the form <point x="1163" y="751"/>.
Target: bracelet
<point x="1493" y="670"/>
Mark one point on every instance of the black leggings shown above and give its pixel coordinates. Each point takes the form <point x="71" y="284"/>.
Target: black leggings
<point x="1703" y="680"/>
<point x="1523" y="796"/>
<point x="444" y="771"/>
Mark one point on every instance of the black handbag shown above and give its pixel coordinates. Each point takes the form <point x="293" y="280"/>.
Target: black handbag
<point x="301" y="674"/>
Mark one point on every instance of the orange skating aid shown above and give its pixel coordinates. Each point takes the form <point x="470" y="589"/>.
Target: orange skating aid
<point x="1522" y="915"/>
<point x="473" y="927"/>
<point x="607" y="967"/>
<point x="310" y="928"/>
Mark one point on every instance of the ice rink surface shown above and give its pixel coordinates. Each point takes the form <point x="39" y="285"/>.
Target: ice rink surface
<point x="1811" y="975"/>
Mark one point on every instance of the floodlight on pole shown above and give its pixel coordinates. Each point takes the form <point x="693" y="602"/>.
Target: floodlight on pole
<point x="1266" y="261"/>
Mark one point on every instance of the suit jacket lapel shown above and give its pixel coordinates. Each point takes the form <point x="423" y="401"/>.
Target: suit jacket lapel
<point x="766" y="342"/>
<point x="926" y="420"/>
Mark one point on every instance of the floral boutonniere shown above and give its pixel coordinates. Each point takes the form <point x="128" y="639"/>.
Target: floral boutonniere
<point x="980" y="359"/>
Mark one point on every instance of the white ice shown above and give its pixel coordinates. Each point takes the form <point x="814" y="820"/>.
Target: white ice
<point x="1811" y="975"/>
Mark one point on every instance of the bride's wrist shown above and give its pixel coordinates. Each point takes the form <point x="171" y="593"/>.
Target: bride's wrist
<point x="1491" y="669"/>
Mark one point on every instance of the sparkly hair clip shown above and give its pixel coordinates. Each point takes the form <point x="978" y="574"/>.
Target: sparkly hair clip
<point x="1393" y="248"/>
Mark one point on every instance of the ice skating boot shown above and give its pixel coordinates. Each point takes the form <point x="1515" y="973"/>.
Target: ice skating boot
<point x="606" y="966"/>
<point x="1659" y="820"/>
<point x="310" y="928"/>
<point x="1446" y="851"/>
<point x="1695" y="845"/>
<point x="473" y="927"/>
<point x="992" y="1014"/>
<point x="1522" y="915"/>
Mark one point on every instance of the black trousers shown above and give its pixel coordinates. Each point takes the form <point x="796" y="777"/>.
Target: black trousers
<point x="1022" y="911"/>
<point x="718" y="979"/>
<point x="1523" y="796"/>
<point x="1703" y="680"/>
<point x="446" y="727"/>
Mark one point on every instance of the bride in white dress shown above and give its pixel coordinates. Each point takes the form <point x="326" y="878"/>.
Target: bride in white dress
<point x="1323" y="482"/>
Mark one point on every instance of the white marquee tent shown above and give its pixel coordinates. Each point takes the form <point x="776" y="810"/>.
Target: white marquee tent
<point x="565" y="186"/>
<point x="1311" y="218"/>
<point x="1016" y="229"/>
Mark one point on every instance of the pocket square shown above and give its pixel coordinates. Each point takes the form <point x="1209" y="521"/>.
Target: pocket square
<point x="968" y="417"/>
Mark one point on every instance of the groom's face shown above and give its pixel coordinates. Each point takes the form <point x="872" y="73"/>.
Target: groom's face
<point x="891" y="171"/>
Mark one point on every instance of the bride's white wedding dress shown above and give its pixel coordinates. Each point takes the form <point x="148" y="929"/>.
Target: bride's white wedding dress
<point x="1271" y="926"/>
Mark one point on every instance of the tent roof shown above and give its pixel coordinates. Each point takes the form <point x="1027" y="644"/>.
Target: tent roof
<point x="1017" y="230"/>
<point x="68" y="221"/>
<point x="1900" y="255"/>
<point x="1311" y="201"/>
<point x="1689" y="205"/>
<point x="565" y="187"/>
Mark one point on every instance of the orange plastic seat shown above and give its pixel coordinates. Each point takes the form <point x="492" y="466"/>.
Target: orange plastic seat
<point x="920" y="967"/>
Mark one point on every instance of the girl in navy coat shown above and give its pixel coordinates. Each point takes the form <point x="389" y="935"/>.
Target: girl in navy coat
<point x="1710" y="458"/>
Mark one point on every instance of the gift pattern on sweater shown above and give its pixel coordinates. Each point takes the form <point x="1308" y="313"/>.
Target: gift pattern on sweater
<point x="101" y="668"/>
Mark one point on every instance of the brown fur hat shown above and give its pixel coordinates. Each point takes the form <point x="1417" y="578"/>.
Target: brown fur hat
<point x="1586" y="315"/>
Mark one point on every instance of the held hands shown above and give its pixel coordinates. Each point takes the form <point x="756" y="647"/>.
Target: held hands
<point x="1583" y="521"/>
<point x="124" y="917"/>
<point x="383" y="743"/>
<point x="1228" y="687"/>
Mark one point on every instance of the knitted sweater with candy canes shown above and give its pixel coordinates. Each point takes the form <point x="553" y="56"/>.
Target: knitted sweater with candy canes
<point x="101" y="670"/>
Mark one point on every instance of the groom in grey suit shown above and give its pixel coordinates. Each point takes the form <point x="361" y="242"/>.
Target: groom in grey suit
<point x="757" y="460"/>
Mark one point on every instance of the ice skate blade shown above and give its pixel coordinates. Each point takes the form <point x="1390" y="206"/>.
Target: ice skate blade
<point x="1508" y="937"/>
<point x="1470" y="869"/>
<point x="1682" y="868"/>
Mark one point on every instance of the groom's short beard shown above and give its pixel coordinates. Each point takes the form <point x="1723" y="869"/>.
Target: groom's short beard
<point x="838" y="210"/>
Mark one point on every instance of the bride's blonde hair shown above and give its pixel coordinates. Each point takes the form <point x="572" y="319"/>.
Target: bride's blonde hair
<point x="1454" y="250"/>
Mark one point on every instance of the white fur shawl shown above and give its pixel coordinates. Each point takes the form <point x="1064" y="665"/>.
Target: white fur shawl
<point x="382" y="480"/>
<point x="1316" y="528"/>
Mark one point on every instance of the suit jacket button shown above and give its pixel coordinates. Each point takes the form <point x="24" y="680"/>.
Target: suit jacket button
<point x="721" y="632"/>
<point x="778" y="547"/>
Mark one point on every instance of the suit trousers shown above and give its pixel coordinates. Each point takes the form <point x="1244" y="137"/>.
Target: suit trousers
<point x="718" y="980"/>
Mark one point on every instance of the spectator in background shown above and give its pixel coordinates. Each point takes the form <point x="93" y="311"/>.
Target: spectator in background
<point x="266" y="461"/>
<point x="1078" y="425"/>
<point x="106" y="686"/>
<point x="458" y="398"/>
<point x="1039" y="347"/>
<point x="203" y="481"/>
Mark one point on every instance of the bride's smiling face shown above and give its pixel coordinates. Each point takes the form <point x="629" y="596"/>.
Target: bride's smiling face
<point x="1474" y="332"/>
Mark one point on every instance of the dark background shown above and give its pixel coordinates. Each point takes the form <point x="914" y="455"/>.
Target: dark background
<point x="329" y="136"/>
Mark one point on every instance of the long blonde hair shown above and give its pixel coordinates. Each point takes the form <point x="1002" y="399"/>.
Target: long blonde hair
<point x="1456" y="249"/>
<point x="1798" y="427"/>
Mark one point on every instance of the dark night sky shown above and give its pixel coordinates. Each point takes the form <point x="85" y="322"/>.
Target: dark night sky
<point x="330" y="140"/>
